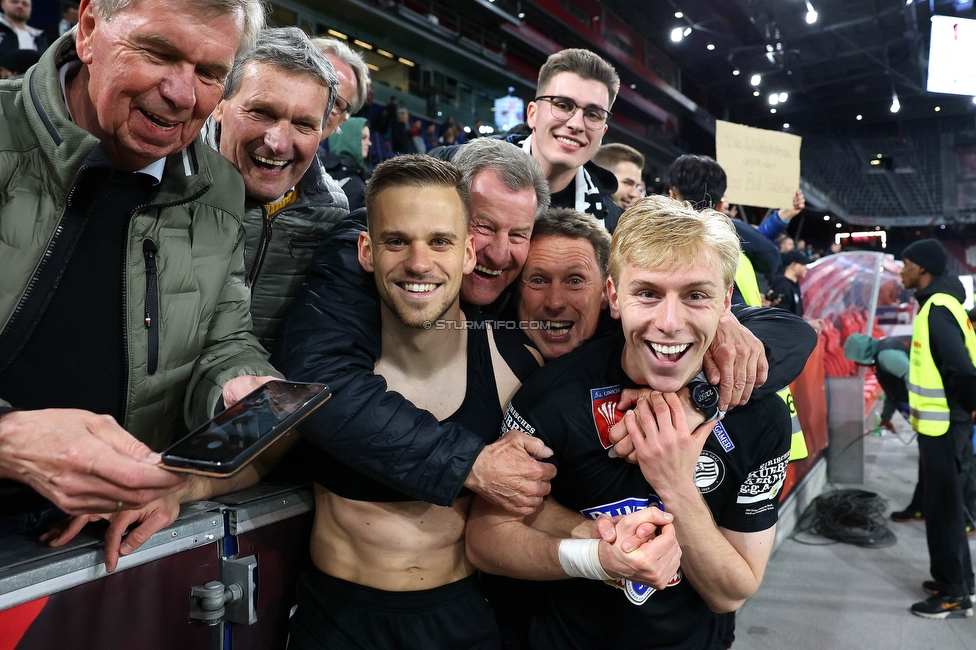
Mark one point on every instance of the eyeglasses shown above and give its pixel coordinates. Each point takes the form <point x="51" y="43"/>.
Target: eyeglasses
<point x="564" y="108"/>
<point x="341" y="106"/>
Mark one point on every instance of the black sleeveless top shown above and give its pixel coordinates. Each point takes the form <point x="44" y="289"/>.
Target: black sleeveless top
<point x="480" y="412"/>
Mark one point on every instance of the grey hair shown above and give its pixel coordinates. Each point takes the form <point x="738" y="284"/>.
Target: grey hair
<point x="288" y="49"/>
<point x="252" y="10"/>
<point x="513" y="166"/>
<point x="354" y="60"/>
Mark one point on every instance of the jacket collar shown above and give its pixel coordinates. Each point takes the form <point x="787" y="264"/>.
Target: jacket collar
<point x="945" y="283"/>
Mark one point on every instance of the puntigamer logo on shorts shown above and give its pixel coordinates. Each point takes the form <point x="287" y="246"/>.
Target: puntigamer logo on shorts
<point x="604" y="403"/>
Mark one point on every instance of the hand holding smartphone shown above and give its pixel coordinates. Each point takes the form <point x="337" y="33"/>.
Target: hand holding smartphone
<point x="237" y="435"/>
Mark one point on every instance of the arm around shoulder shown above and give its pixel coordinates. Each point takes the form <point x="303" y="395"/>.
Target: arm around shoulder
<point x="787" y="338"/>
<point x="332" y="335"/>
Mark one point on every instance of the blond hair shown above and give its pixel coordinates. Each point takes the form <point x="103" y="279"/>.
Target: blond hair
<point x="660" y="232"/>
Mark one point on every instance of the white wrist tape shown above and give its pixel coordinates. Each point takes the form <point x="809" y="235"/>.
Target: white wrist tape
<point x="580" y="558"/>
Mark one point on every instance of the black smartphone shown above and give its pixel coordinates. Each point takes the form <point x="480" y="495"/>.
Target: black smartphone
<point x="227" y="443"/>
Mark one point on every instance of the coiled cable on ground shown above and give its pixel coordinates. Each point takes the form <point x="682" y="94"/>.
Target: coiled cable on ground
<point x="849" y="516"/>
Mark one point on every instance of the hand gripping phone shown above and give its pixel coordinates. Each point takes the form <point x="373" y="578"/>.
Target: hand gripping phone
<point x="227" y="443"/>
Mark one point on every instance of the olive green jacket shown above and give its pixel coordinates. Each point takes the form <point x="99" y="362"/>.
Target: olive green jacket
<point x="201" y="337"/>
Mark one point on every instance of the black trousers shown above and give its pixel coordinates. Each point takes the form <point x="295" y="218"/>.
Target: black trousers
<point x="335" y="614"/>
<point x="946" y="459"/>
<point x="968" y="492"/>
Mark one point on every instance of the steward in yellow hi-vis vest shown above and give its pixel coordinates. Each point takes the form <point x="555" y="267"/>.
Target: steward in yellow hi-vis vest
<point x="745" y="280"/>
<point x="926" y="392"/>
<point x="942" y="399"/>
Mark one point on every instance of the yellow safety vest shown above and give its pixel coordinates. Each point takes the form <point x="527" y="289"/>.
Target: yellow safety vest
<point x="745" y="279"/>
<point x="798" y="444"/>
<point x="926" y="393"/>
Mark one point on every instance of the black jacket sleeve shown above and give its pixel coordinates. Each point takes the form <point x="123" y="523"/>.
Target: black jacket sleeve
<point x="332" y="335"/>
<point x="614" y="212"/>
<point x="763" y="253"/>
<point x="952" y="359"/>
<point x="788" y="340"/>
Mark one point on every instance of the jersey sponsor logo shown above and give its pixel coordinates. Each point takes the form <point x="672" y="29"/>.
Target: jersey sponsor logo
<point x="764" y="483"/>
<point x="723" y="437"/>
<point x="709" y="472"/>
<point x="623" y="507"/>
<point x="635" y="592"/>
<point x="604" y="403"/>
<point x="513" y="420"/>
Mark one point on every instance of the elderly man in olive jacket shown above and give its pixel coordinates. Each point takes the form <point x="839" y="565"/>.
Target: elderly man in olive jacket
<point x="123" y="307"/>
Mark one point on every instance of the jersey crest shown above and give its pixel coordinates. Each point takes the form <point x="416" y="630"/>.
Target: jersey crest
<point x="605" y="414"/>
<point x="709" y="472"/>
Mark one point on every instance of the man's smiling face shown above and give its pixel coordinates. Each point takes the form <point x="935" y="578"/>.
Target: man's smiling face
<point x="155" y="72"/>
<point x="669" y="317"/>
<point x="270" y="128"/>
<point x="418" y="250"/>
<point x="501" y="222"/>
<point x="562" y="290"/>
<point x="560" y="145"/>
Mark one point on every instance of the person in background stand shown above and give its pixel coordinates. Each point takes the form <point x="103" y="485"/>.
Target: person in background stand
<point x="784" y="290"/>
<point x="15" y="33"/>
<point x="942" y="400"/>
<point x="626" y="163"/>
<point x="889" y="358"/>
<point x="400" y="133"/>
<point x="69" y="18"/>
<point x="353" y="91"/>
<point x="16" y="62"/>
<point x="348" y="160"/>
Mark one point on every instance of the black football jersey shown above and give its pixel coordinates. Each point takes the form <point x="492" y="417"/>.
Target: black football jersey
<point x="570" y="405"/>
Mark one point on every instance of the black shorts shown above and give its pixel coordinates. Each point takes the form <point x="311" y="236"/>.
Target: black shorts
<point x="335" y="614"/>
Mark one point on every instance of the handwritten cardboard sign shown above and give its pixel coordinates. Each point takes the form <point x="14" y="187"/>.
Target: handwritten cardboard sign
<point x="763" y="167"/>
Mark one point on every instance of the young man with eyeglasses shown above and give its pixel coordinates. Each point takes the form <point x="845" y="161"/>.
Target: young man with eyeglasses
<point x="568" y="118"/>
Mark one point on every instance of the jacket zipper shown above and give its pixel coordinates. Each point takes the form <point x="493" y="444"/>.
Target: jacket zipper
<point x="41" y="268"/>
<point x="125" y="311"/>
<point x="152" y="304"/>
<point x="266" y="234"/>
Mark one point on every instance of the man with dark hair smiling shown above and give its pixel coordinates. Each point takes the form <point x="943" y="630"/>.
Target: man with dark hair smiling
<point x="562" y="291"/>
<point x="567" y="120"/>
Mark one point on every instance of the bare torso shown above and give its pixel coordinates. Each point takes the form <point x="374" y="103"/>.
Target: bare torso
<point x="404" y="545"/>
